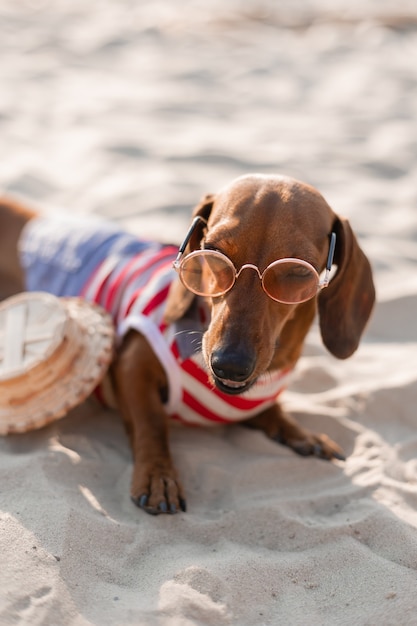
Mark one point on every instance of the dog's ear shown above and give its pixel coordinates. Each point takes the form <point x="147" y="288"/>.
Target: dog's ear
<point x="180" y="298"/>
<point x="346" y="304"/>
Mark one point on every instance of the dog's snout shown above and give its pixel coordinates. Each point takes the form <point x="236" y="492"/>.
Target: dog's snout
<point x="232" y="365"/>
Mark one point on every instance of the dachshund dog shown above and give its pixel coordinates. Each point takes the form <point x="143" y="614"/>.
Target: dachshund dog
<point x="209" y="333"/>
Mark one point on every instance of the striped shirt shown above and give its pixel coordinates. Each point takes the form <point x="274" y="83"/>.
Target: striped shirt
<point x="131" y="278"/>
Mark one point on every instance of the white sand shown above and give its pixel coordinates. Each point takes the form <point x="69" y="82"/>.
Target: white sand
<point x="134" y="110"/>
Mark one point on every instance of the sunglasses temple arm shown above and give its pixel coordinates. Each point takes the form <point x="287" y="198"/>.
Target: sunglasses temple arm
<point x="188" y="236"/>
<point x="331" y="251"/>
<point x="330" y="257"/>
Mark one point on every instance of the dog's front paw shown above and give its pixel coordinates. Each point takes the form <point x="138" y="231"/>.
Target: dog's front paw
<point x="282" y="428"/>
<point x="158" y="491"/>
<point x="307" y="443"/>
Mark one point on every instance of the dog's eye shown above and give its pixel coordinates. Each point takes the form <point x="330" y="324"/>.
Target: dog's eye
<point x="290" y="281"/>
<point x="299" y="272"/>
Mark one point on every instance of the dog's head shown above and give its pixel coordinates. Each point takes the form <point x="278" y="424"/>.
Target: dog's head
<point x="255" y="221"/>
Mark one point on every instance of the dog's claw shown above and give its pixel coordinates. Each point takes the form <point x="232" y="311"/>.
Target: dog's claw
<point x="328" y="450"/>
<point x="142" y="501"/>
<point x="163" y="507"/>
<point x="318" y="450"/>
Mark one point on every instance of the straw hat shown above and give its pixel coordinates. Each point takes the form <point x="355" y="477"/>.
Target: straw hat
<point x="53" y="353"/>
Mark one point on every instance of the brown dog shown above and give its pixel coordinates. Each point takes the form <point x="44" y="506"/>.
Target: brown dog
<point x="255" y="325"/>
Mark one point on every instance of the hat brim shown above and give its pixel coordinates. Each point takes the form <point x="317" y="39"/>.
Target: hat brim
<point x="77" y="382"/>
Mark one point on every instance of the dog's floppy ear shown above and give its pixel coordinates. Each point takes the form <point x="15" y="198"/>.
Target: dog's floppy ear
<point x="346" y="304"/>
<point x="180" y="298"/>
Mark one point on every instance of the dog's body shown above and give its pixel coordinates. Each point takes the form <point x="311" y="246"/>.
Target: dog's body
<point x="244" y="342"/>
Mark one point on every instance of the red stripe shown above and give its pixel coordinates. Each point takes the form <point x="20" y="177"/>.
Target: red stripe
<point x="154" y="260"/>
<point x="98" y="393"/>
<point x="175" y="351"/>
<point x="158" y="299"/>
<point x="202" y="410"/>
<point x="97" y="292"/>
<point x="161" y="255"/>
<point x="117" y="282"/>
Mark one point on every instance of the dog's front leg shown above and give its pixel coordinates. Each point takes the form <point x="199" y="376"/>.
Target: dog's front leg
<point x="280" y="427"/>
<point x="140" y="384"/>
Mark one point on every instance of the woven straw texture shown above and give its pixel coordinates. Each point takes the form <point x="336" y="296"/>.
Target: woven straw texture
<point x="53" y="353"/>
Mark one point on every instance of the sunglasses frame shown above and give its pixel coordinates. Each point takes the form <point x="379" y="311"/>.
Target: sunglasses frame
<point x="178" y="263"/>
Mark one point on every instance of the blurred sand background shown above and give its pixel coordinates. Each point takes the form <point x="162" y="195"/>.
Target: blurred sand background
<point x="133" y="110"/>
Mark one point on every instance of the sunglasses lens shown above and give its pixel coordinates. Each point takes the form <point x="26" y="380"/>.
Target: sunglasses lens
<point x="207" y="273"/>
<point x="290" y="282"/>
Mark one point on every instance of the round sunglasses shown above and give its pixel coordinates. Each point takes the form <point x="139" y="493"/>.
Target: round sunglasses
<point x="288" y="281"/>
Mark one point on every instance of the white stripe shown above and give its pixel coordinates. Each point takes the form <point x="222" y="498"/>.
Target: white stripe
<point x="146" y="326"/>
<point x="120" y="290"/>
<point x="113" y="267"/>
<point x="96" y="281"/>
<point x="188" y="416"/>
<point x="159" y="281"/>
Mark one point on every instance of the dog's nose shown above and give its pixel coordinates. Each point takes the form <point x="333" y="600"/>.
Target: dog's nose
<point x="232" y="365"/>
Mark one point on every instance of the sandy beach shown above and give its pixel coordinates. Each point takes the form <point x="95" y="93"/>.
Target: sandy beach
<point x="133" y="110"/>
